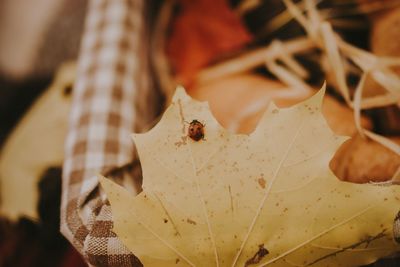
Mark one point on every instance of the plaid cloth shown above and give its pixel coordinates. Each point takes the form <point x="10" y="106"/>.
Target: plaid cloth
<point x="112" y="98"/>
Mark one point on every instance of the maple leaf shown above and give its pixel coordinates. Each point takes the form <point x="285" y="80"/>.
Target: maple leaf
<point x="264" y="199"/>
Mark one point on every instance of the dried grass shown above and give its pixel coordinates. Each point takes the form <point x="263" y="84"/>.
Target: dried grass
<point x="335" y="51"/>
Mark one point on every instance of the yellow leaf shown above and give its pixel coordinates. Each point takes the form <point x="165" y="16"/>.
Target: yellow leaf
<point x="264" y="199"/>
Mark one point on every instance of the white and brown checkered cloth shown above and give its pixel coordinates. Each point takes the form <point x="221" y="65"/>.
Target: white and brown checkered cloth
<point x="112" y="98"/>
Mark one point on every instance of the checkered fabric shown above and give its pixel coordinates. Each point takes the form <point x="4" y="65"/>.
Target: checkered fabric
<point x="112" y="98"/>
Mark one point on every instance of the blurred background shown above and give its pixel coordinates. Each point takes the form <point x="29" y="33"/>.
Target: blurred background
<point x="196" y="44"/>
<point x="36" y="38"/>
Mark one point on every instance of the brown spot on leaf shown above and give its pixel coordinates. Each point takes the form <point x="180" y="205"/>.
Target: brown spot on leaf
<point x="261" y="182"/>
<point x="182" y="142"/>
<point x="230" y="195"/>
<point x="258" y="256"/>
<point x="190" y="221"/>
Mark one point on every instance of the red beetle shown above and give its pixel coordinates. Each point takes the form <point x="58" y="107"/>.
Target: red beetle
<point x="196" y="130"/>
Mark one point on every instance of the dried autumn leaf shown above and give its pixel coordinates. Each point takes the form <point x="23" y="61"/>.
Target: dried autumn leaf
<point x="202" y="31"/>
<point x="264" y="199"/>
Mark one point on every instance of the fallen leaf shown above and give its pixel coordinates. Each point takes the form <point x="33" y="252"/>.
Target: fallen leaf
<point x="205" y="203"/>
<point x="202" y="31"/>
<point x="35" y="144"/>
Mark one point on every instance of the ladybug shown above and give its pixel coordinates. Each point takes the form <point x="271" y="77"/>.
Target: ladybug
<point x="196" y="130"/>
